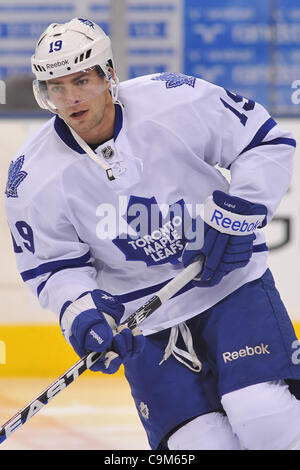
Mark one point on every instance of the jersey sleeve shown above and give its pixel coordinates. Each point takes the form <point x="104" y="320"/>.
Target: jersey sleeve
<point x="246" y="140"/>
<point x="52" y="261"/>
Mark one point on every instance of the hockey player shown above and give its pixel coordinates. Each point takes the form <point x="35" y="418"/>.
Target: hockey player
<point x="119" y="191"/>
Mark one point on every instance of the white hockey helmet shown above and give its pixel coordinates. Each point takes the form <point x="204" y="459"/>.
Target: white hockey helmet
<point x="64" y="49"/>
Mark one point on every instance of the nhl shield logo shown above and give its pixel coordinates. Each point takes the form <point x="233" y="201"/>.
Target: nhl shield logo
<point x="107" y="152"/>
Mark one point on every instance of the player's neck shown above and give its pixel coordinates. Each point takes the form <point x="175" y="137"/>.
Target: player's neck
<point x="104" y="129"/>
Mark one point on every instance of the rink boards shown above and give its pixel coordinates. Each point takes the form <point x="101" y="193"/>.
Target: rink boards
<point x="40" y="351"/>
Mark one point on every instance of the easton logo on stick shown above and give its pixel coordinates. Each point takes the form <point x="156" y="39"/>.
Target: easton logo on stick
<point x="30" y="410"/>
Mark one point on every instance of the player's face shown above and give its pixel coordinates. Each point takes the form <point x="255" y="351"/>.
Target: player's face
<point x="82" y="100"/>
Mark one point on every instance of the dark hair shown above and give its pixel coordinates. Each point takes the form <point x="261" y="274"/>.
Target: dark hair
<point x="99" y="71"/>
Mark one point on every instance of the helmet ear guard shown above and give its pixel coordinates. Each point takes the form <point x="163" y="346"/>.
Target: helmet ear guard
<point x="38" y="96"/>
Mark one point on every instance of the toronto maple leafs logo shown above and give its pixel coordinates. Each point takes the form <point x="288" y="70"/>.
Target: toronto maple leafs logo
<point x="15" y="177"/>
<point x="86" y="22"/>
<point x="174" y="80"/>
<point x="155" y="238"/>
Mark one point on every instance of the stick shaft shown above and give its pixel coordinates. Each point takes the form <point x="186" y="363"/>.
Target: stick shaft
<point x="164" y="294"/>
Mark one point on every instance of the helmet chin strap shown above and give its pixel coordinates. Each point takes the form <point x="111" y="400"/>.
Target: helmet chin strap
<point x="92" y="154"/>
<point x="114" y="88"/>
<point x="114" y="84"/>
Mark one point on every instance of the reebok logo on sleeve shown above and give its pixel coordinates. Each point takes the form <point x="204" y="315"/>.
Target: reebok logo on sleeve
<point x="247" y="351"/>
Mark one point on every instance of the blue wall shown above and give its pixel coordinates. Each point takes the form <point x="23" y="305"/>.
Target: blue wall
<point x="249" y="47"/>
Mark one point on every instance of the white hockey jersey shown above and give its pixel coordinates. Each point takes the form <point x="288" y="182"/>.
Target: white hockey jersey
<point x="74" y="230"/>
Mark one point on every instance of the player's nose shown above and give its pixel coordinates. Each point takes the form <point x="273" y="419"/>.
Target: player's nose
<point x="71" y="96"/>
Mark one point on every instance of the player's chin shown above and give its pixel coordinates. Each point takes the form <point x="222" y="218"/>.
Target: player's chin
<point x="78" y="124"/>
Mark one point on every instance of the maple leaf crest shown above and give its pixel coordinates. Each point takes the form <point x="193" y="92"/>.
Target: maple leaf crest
<point x="87" y="22"/>
<point x="15" y="177"/>
<point x="174" y="80"/>
<point x="159" y="239"/>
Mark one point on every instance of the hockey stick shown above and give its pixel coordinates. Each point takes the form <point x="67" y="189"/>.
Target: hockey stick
<point x="164" y="294"/>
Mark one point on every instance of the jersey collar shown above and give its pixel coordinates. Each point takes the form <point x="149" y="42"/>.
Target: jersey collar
<point x="64" y="132"/>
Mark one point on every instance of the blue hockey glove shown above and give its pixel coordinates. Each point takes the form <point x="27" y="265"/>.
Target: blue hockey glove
<point x="227" y="237"/>
<point x="90" y="324"/>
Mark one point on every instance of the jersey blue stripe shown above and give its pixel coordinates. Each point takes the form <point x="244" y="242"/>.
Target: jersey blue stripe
<point x="260" y="134"/>
<point x="138" y="294"/>
<point x="278" y="141"/>
<point x="118" y="120"/>
<point x="66" y="136"/>
<point x="42" y="285"/>
<point x="260" y="247"/>
<point x="54" y="266"/>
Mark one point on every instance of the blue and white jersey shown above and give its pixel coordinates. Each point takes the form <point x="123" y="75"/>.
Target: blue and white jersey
<point x="74" y="230"/>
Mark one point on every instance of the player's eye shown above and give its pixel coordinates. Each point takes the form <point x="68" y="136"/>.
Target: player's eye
<point x="56" y="89"/>
<point x="82" y="82"/>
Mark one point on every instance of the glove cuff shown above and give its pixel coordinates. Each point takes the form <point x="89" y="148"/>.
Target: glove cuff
<point x="84" y="303"/>
<point x="233" y="215"/>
